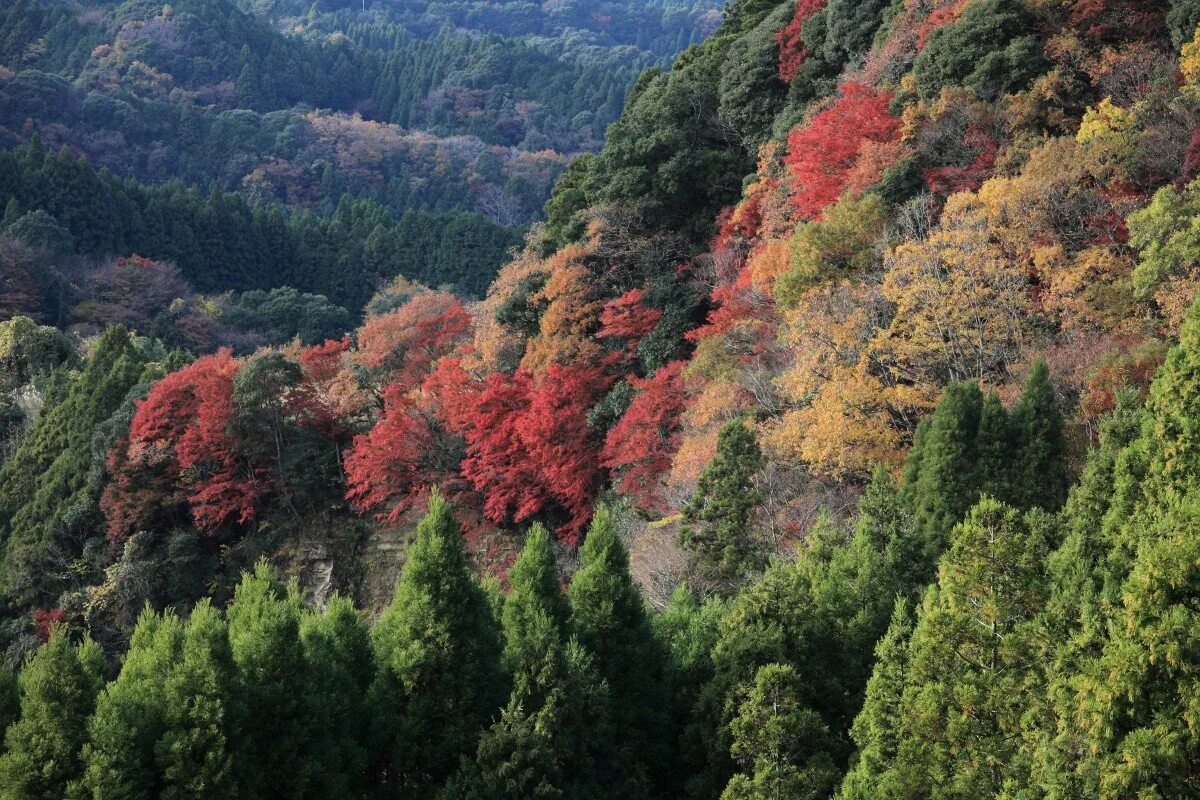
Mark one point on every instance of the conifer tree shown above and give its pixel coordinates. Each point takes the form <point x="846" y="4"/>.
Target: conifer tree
<point x="341" y="668"/>
<point x="43" y="748"/>
<point x="438" y="654"/>
<point x="161" y="728"/>
<point x="610" y="620"/>
<point x="553" y="739"/>
<point x="1082" y="593"/>
<point x="995" y="449"/>
<point x="876" y="729"/>
<point x="718" y="518"/>
<point x="534" y="590"/>
<point x="273" y="724"/>
<point x="941" y="482"/>
<point x="1039" y="471"/>
<point x="782" y="744"/>
<point x="687" y="631"/>
<point x="10" y="699"/>
<point x="971" y="663"/>
<point x="1139" y="698"/>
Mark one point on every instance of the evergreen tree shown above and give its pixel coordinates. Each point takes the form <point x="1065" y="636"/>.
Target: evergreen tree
<point x="161" y="729"/>
<point x="341" y="668"/>
<point x="996" y="448"/>
<point x="1138" y="698"/>
<point x="553" y="739"/>
<point x="782" y="744"/>
<point x="971" y="662"/>
<point x="610" y="620"/>
<point x="876" y="729"/>
<point x="535" y="590"/>
<point x="718" y="518"/>
<point x="437" y="653"/>
<point x="10" y="699"/>
<point x="59" y="684"/>
<point x="687" y="632"/>
<point x="941" y="481"/>
<point x="1083" y="591"/>
<point x="273" y="726"/>
<point x="1040" y="469"/>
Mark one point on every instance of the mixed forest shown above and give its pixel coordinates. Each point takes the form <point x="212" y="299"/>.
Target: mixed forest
<point x="831" y="433"/>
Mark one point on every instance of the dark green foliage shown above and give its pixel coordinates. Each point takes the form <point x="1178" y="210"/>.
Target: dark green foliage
<point x="717" y="520"/>
<point x="341" y="666"/>
<point x="995" y="451"/>
<point x="438" y="656"/>
<point x="10" y="698"/>
<point x="43" y="748"/>
<point x="750" y="91"/>
<point x="535" y="593"/>
<point x="782" y="745"/>
<point x="288" y="314"/>
<point x="1040" y="469"/>
<point x="610" y="620"/>
<point x="969" y="448"/>
<point x="993" y="48"/>
<point x="970" y="670"/>
<point x="554" y="738"/>
<point x="161" y="729"/>
<point x="47" y="505"/>
<point x="273" y="722"/>
<point x="876" y="729"/>
<point x="222" y="242"/>
<point x="1182" y="19"/>
<point x="940" y="480"/>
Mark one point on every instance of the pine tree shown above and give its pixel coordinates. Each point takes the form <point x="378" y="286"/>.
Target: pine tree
<point x="781" y="743"/>
<point x="59" y="685"/>
<point x="1138" y="698"/>
<point x="273" y="726"/>
<point x="610" y="620"/>
<point x="337" y="648"/>
<point x="718" y="518"/>
<point x="161" y="728"/>
<point x="535" y="590"/>
<point x="876" y="729"/>
<point x="687" y="631"/>
<point x="438" y="653"/>
<point x="1040" y="469"/>
<point x="1082" y="594"/>
<point x="10" y="699"/>
<point x="553" y="739"/>
<point x="941" y="482"/>
<point x="971" y="662"/>
<point x="996" y="449"/>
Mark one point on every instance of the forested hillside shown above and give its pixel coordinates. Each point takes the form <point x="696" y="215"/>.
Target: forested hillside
<point x="832" y="435"/>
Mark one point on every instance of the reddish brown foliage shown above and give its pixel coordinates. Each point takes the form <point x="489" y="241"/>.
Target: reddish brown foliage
<point x="641" y="445"/>
<point x="792" y="49"/>
<point x="529" y="444"/>
<point x="406" y="342"/>
<point x="386" y="469"/>
<point x="181" y="428"/>
<point x="822" y="154"/>
<point x="44" y="621"/>
<point x="625" y="317"/>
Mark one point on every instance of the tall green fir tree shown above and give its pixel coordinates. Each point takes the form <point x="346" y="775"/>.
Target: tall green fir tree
<point x="718" y="519"/>
<point x="782" y="745"/>
<point x="43" y="749"/>
<point x="438" y="655"/>
<point x="610" y="620"/>
<point x="1040" y="465"/>
<point x="273" y="722"/>
<point x="161" y="729"/>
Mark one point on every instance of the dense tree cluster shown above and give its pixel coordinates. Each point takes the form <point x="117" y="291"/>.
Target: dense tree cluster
<point x="834" y="437"/>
